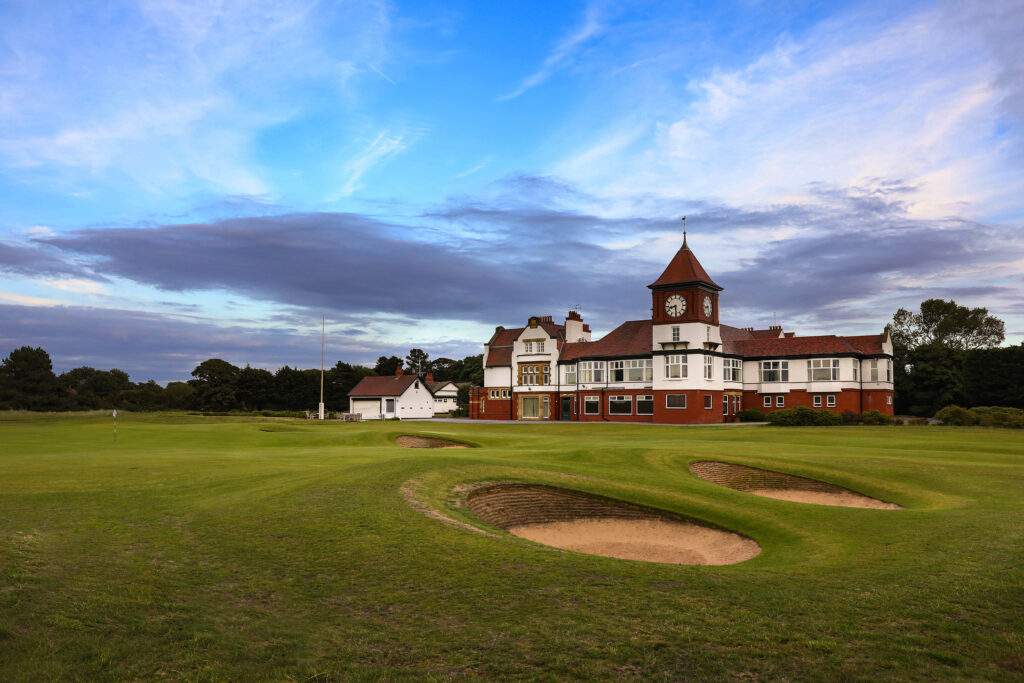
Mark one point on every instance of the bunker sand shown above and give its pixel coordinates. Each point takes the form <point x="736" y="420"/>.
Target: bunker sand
<point x="781" y="486"/>
<point x="578" y="521"/>
<point x="408" y="441"/>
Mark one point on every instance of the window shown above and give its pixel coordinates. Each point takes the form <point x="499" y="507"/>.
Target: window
<point x="675" y="400"/>
<point x="528" y="347"/>
<point x="498" y="393"/>
<point x="592" y="371"/>
<point x="725" y="404"/>
<point x="732" y="369"/>
<point x="591" y="405"/>
<point x="540" y="347"/>
<point x="856" y="368"/>
<point x="775" y="371"/>
<point x="570" y="374"/>
<point x="888" y="371"/>
<point x="817" y="401"/>
<point x="767" y="401"/>
<point x="617" y="370"/>
<point x="709" y="401"/>
<point x="530" y="407"/>
<point x="888" y="400"/>
<point x="534" y="373"/>
<point x="709" y="367"/>
<point x="831" y="401"/>
<point x="645" y="405"/>
<point x="675" y="334"/>
<point x="874" y="370"/>
<point x="780" y="401"/>
<point x="620" y="405"/>
<point x="675" y="367"/>
<point x="389" y="405"/>
<point x="823" y="369"/>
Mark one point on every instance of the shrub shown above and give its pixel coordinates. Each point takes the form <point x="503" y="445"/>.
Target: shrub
<point x="918" y="421"/>
<point x="957" y="416"/>
<point x="873" y="417"/>
<point x="898" y="420"/>
<point x="850" y="417"/>
<point x="750" y="415"/>
<point x="803" y="417"/>
<point x="999" y="416"/>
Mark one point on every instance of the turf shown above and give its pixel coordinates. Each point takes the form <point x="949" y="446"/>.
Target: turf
<point x="210" y="549"/>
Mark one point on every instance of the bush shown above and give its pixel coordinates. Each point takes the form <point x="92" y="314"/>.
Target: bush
<point x="918" y="421"/>
<point x="873" y="417"/>
<point x="898" y="421"/>
<point x="849" y="417"/>
<point x="999" y="416"/>
<point x="803" y="417"/>
<point x="750" y="415"/>
<point x="957" y="416"/>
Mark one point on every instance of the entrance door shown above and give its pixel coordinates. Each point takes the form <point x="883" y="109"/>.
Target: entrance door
<point x="566" y="413"/>
<point x="389" y="407"/>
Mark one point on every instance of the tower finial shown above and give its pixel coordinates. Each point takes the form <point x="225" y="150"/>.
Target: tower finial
<point x="684" y="233"/>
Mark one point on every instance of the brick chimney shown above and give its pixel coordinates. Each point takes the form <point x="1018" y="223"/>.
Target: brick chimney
<point x="398" y="371"/>
<point x="430" y="377"/>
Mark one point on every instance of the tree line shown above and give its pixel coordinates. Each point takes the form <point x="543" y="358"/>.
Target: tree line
<point x="949" y="354"/>
<point x="28" y="382"/>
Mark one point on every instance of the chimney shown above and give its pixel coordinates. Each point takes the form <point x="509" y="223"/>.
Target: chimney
<point x="575" y="330"/>
<point x="430" y="377"/>
<point x="398" y="371"/>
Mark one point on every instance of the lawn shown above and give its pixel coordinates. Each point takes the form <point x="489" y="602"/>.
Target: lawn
<point x="242" y="549"/>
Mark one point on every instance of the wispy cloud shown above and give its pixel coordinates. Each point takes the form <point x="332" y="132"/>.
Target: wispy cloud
<point x="563" y="54"/>
<point x="385" y="146"/>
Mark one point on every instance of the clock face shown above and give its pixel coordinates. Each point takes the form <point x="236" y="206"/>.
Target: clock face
<point x="707" y="306"/>
<point x="675" y="306"/>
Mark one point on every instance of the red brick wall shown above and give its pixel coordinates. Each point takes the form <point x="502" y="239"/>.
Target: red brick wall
<point x="604" y="416"/>
<point x="845" y="400"/>
<point x="694" y="413"/>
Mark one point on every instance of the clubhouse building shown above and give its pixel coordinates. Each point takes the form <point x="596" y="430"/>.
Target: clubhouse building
<point x="682" y="366"/>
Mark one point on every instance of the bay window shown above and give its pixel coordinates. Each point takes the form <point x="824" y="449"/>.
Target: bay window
<point x="675" y="367"/>
<point x="823" y="369"/>
<point x="775" y="371"/>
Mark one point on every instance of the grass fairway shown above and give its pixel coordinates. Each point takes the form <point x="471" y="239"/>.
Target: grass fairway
<point x="210" y="549"/>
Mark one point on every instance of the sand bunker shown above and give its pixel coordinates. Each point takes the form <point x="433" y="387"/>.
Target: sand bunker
<point x="784" y="486"/>
<point x="428" y="442"/>
<point x="591" y="524"/>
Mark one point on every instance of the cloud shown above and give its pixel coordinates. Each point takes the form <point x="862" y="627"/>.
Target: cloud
<point x="563" y="53"/>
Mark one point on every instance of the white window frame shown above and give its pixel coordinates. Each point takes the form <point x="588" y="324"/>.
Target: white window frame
<point x="675" y="333"/>
<point x="528" y="347"/>
<point x="781" y="367"/>
<point x="856" y="369"/>
<point x="823" y="369"/>
<point x="570" y="374"/>
<point x="732" y="369"/>
<point x="767" y="401"/>
<point x="709" y="401"/>
<point x="540" y="347"/>
<point x="830" y="401"/>
<point x="780" y="401"/>
<point x="594" y="401"/>
<point x="682" y="407"/>
<point x="817" y="400"/>
<point x="620" y="398"/>
<point x="677" y="361"/>
<point x="873" y="377"/>
<point x="709" y="366"/>
<point x="725" y="404"/>
<point x="888" y="400"/>
<point x="647" y="398"/>
<point x="888" y="370"/>
<point x="591" y="371"/>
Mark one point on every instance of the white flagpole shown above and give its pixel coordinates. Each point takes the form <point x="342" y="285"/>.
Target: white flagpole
<point x="323" y="329"/>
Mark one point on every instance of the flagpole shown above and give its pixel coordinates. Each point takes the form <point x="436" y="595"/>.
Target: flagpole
<point x="323" y="330"/>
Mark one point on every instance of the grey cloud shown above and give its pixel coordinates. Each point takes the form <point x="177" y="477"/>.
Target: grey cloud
<point x="152" y="346"/>
<point x="34" y="260"/>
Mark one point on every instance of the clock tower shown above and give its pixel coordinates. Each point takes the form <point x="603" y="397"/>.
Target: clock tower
<point x="684" y="293"/>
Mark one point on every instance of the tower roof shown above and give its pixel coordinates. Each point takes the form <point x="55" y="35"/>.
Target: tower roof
<point x="684" y="268"/>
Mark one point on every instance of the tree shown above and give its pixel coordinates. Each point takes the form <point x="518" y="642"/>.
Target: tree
<point x="387" y="365"/>
<point x="27" y="380"/>
<point x="216" y="384"/>
<point x="417" y="362"/>
<point x="445" y="369"/>
<point x="339" y="381"/>
<point x="936" y="379"/>
<point x="473" y="370"/>
<point x="995" y="377"/>
<point x="255" y="388"/>
<point x="948" y="325"/>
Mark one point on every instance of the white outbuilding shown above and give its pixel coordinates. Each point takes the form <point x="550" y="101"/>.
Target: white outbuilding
<point x="403" y="396"/>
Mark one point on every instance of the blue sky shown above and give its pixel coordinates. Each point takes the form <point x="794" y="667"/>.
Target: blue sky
<point x="186" y="180"/>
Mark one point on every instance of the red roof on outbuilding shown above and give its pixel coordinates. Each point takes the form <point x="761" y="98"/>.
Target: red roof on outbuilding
<point x="372" y="387"/>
